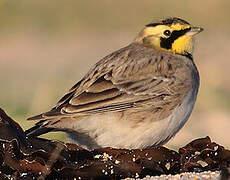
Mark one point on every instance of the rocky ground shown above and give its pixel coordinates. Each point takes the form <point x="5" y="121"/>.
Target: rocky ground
<point x="24" y="157"/>
<point x="207" y="175"/>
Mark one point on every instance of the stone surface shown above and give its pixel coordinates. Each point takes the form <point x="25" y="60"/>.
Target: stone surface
<point x="26" y="158"/>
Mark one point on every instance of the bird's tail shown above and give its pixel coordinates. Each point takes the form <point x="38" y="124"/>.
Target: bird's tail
<point x="38" y="129"/>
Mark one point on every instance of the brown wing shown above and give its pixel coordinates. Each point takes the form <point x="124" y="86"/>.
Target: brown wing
<point x="127" y="78"/>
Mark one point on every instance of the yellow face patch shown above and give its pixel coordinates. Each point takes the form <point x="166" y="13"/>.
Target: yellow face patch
<point x="183" y="44"/>
<point x="176" y="42"/>
<point x="159" y="29"/>
<point x="178" y="26"/>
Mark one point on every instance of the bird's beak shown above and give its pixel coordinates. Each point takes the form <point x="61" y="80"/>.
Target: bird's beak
<point x="194" y="31"/>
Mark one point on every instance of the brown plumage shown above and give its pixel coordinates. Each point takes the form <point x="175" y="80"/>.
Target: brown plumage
<point x="133" y="98"/>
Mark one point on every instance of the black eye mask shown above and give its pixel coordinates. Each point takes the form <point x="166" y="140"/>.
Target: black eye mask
<point x="167" y="42"/>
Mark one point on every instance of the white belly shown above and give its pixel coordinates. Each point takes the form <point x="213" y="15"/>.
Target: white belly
<point x="100" y="131"/>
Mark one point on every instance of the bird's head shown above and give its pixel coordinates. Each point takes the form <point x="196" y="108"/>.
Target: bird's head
<point x="173" y="35"/>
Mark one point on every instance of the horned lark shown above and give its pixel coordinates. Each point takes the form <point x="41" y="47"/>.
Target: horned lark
<point x="138" y="96"/>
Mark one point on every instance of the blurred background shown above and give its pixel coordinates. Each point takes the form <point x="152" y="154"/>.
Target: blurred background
<point x="46" y="46"/>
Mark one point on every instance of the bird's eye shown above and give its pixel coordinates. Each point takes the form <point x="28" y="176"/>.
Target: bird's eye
<point x="167" y="33"/>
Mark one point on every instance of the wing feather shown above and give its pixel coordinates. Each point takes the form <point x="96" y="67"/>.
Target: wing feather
<point x="122" y="80"/>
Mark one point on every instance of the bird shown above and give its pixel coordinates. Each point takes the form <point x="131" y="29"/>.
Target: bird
<point x="137" y="97"/>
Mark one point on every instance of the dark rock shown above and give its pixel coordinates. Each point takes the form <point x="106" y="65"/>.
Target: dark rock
<point x="34" y="158"/>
